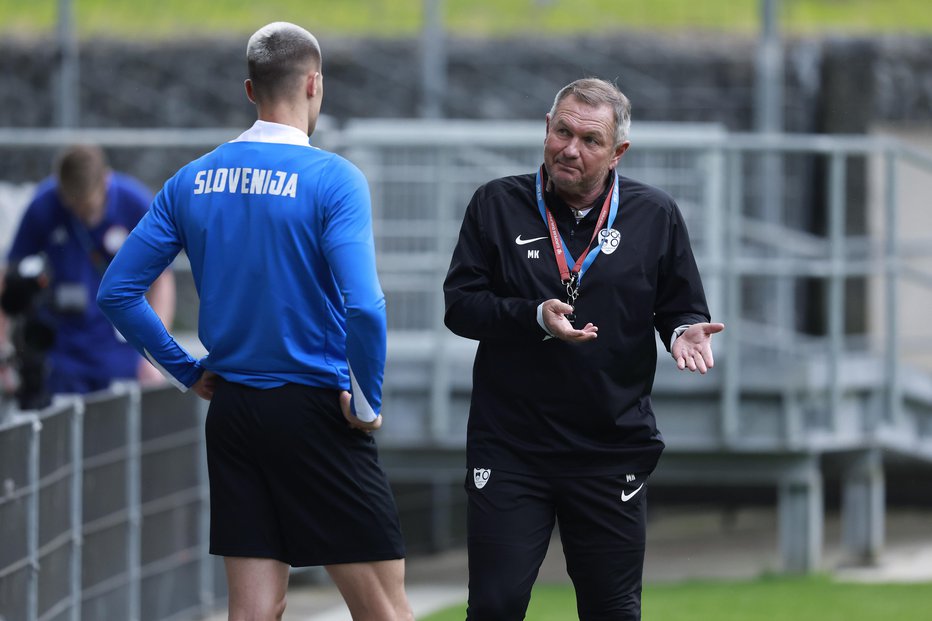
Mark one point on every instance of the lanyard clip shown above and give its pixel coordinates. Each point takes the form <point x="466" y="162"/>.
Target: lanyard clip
<point x="572" y="288"/>
<point x="572" y="292"/>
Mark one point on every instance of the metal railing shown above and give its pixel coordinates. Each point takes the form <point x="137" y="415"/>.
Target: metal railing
<point x="104" y="510"/>
<point x="778" y="279"/>
<point x="768" y="267"/>
<point x="819" y="354"/>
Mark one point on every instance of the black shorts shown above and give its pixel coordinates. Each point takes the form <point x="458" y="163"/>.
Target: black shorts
<point x="290" y="480"/>
<point x="510" y="520"/>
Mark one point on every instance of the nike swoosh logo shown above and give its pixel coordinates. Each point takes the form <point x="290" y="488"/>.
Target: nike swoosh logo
<point x="626" y="497"/>
<point x="521" y="242"/>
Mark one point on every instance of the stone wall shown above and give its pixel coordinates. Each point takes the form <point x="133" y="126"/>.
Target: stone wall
<point x="831" y="85"/>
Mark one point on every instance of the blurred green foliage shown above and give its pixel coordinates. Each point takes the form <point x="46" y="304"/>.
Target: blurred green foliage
<point x="181" y="19"/>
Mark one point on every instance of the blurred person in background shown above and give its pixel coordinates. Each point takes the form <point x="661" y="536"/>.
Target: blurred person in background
<point x="69" y="233"/>
<point x="279" y="235"/>
<point x="563" y="277"/>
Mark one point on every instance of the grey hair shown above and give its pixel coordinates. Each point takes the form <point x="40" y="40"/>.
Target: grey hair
<point x="278" y="52"/>
<point x="595" y="92"/>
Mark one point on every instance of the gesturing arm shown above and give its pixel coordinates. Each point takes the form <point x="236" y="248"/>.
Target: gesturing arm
<point x="680" y="298"/>
<point x="473" y="309"/>
<point x="682" y="316"/>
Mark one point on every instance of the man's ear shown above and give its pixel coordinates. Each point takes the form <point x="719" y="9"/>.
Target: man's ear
<point x="619" y="151"/>
<point x="314" y="84"/>
<point x="250" y="93"/>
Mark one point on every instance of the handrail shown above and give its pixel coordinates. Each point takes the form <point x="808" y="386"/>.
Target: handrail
<point x="398" y="132"/>
<point x="844" y="375"/>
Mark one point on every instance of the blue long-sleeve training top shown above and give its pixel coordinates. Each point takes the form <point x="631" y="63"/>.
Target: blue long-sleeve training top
<point x="279" y="236"/>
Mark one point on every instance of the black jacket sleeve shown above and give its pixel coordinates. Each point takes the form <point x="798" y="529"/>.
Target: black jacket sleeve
<point x="475" y="306"/>
<point x="680" y="296"/>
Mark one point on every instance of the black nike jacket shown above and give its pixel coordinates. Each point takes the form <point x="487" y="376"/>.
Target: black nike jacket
<point x="544" y="406"/>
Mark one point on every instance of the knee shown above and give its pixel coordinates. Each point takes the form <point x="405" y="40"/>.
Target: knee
<point x="397" y="602"/>
<point x="279" y="609"/>
<point x="498" y="597"/>
<point x="404" y="614"/>
<point x="266" y="611"/>
<point x="498" y="607"/>
<point x="625" y="607"/>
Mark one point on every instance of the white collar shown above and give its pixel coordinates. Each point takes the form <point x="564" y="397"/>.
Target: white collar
<point x="266" y="131"/>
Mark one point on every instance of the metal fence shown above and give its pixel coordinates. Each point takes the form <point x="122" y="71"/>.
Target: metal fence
<point x="814" y="252"/>
<point x="423" y="175"/>
<point x="816" y="242"/>
<point x="103" y="513"/>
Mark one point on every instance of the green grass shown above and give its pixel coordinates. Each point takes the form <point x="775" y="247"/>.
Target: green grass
<point x="765" y="599"/>
<point x="148" y="19"/>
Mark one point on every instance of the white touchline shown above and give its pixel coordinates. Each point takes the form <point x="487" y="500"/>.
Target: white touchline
<point x="521" y="242"/>
<point x="626" y="497"/>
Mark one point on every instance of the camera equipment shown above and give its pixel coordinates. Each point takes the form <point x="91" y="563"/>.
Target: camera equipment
<point x="26" y="295"/>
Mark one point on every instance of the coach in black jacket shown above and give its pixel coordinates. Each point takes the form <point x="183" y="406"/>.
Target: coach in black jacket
<point x="563" y="276"/>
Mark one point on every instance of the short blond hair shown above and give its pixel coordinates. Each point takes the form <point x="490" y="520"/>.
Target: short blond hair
<point x="277" y="55"/>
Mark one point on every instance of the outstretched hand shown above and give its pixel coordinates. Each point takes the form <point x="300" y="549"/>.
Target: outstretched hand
<point x="693" y="349"/>
<point x="554" y="314"/>
<point x="352" y="419"/>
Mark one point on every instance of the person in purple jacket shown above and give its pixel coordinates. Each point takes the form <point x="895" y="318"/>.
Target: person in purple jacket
<point x="77" y="221"/>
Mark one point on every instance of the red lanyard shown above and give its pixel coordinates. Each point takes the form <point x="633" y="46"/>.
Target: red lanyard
<point x="559" y="248"/>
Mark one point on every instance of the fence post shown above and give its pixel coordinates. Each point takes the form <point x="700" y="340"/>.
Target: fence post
<point x="891" y="310"/>
<point x="32" y="512"/>
<point x="77" y="505"/>
<point x="133" y="500"/>
<point x="862" y="513"/>
<point x="69" y="67"/>
<point x="836" y="286"/>
<point x="440" y="387"/>
<point x="801" y="516"/>
<point x="731" y="374"/>
<point x="714" y="233"/>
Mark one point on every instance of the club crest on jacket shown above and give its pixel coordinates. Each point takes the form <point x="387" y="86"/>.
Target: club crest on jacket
<point x="480" y="476"/>
<point x="609" y="239"/>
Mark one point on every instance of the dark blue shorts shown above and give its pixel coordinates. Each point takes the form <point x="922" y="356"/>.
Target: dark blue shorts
<point x="510" y="521"/>
<point x="290" y="480"/>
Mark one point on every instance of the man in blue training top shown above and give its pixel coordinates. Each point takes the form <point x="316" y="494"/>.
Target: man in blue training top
<point x="292" y="315"/>
<point x="78" y="219"/>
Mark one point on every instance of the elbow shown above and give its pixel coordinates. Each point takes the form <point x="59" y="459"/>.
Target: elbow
<point x="457" y="313"/>
<point x="452" y="319"/>
<point x="449" y="321"/>
<point x="371" y="313"/>
<point x="113" y="298"/>
<point x="106" y="299"/>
